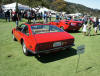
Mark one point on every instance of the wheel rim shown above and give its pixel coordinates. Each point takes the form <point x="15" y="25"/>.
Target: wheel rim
<point x="24" y="48"/>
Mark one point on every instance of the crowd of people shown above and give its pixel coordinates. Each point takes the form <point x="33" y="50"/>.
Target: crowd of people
<point x="88" y="24"/>
<point x="32" y="16"/>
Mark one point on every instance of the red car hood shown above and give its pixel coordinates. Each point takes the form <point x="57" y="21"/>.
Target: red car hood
<point x="51" y="37"/>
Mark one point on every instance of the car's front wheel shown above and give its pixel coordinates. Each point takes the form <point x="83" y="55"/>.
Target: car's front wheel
<point x="25" y="50"/>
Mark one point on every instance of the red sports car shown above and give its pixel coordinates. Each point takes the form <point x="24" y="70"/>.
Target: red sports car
<point x="41" y="38"/>
<point x="74" y="25"/>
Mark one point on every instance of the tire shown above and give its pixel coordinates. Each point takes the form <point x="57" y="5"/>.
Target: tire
<point x="14" y="38"/>
<point x="76" y="30"/>
<point x="25" y="50"/>
<point x="62" y="27"/>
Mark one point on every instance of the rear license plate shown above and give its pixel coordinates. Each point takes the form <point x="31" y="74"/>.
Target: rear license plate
<point x="56" y="44"/>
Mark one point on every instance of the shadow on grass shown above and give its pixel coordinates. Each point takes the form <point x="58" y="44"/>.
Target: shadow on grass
<point x="74" y="31"/>
<point x="88" y="68"/>
<point x="98" y="34"/>
<point x="94" y="34"/>
<point x="51" y="57"/>
<point x="2" y="20"/>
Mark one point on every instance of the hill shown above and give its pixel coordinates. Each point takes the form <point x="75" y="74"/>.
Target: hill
<point x="58" y="5"/>
<point x="72" y="7"/>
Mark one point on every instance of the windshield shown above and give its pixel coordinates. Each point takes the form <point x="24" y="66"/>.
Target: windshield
<point x="38" y="29"/>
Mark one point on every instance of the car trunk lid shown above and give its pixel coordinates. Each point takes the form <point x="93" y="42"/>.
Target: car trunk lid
<point x="52" y="40"/>
<point x="52" y="37"/>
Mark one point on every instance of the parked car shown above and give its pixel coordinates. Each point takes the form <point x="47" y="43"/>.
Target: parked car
<point x="71" y="25"/>
<point x="41" y="38"/>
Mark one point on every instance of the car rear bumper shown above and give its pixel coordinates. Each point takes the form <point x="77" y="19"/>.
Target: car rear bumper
<point x="52" y="50"/>
<point x="73" y="28"/>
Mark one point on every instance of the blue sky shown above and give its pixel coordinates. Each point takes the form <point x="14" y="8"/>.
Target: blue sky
<point x="89" y="3"/>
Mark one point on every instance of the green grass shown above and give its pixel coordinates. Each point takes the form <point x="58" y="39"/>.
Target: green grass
<point x="14" y="63"/>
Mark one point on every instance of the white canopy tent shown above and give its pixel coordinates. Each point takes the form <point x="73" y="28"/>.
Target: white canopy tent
<point x="44" y="9"/>
<point x="76" y="14"/>
<point x="47" y="10"/>
<point x="12" y="6"/>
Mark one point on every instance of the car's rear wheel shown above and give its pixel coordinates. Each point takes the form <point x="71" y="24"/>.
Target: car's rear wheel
<point x="14" y="38"/>
<point x="76" y="30"/>
<point x="25" y="50"/>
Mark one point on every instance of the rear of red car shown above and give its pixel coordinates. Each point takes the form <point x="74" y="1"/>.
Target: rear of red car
<point x="53" y="42"/>
<point x="74" y="25"/>
<point x="53" y="46"/>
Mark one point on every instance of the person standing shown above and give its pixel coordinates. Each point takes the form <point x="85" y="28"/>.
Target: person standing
<point x="29" y="16"/>
<point x="85" y="19"/>
<point x="84" y="28"/>
<point x="89" y="27"/>
<point x="20" y="15"/>
<point x="96" y="26"/>
<point x="16" y="18"/>
<point x="34" y="17"/>
<point x="1" y="12"/>
<point x="45" y="17"/>
<point x="57" y="17"/>
<point x="60" y="16"/>
<point x="49" y="15"/>
<point x="7" y="15"/>
<point x="99" y="24"/>
<point x="39" y="16"/>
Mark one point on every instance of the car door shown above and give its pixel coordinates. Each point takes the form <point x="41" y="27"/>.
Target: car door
<point x="18" y="31"/>
<point x="26" y="37"/>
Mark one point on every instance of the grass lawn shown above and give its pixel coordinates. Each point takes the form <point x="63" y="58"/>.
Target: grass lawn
<point x="14" y="63"/>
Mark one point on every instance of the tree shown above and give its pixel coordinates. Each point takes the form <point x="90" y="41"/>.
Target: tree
<point x="17" y="5"/>
<point x="59" y="5"/>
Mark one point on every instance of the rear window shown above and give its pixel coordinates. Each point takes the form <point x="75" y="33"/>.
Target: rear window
<point x="38" y="29"/>
<point x="77" y="19"/>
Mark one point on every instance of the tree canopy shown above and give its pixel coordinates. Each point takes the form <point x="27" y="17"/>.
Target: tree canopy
<point x="59" y="5"/>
